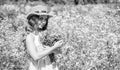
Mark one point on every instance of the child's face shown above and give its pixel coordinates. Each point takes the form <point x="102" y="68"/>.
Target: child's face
<point x="41" y="23"/>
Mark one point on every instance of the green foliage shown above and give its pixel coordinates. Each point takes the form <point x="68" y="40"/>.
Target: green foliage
<point x="59" y="2"/>
<point x="90" y="32"/>
<point x="10" y="11"/>
<point x="13" y="50"/>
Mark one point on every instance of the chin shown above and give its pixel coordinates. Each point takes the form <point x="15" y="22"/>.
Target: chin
<point x="41" y="29"/>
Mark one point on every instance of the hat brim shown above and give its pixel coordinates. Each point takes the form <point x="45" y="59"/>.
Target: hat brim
<point x="38" y="14"/>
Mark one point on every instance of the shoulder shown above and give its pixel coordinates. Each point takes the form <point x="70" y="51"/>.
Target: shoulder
<point x="29" y="37"/>
<point x="29" y="40"/>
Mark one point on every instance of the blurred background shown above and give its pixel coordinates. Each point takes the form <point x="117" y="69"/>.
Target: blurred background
<point x="62" y="2"/>
<point x="91" y="29"/>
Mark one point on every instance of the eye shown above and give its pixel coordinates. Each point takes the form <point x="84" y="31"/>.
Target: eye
<point x="41" y="18"/>
<point x="44" y="11"/>
<point x="37" y="11"/>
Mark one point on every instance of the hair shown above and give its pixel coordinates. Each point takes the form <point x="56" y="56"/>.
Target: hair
<point x="33" y="17"/>
<point x="32" y="24"/>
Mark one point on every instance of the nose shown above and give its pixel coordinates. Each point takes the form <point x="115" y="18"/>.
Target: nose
<point x="39" y="22"/>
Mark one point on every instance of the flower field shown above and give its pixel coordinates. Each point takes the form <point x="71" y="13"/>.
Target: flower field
<point x="91" y="34"/>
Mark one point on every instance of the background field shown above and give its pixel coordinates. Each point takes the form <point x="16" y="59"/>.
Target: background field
<point x="91" y="32"/>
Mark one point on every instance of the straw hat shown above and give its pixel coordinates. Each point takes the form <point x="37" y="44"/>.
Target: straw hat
<point x="38" y="11"/>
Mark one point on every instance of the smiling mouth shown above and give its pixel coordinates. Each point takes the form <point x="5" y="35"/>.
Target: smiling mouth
<point x="40" y="26"/>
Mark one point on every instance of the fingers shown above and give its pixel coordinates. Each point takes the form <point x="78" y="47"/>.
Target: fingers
<point x="61" y="41"/>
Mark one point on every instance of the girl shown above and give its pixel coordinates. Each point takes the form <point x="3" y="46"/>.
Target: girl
<point x="39" y="59"/>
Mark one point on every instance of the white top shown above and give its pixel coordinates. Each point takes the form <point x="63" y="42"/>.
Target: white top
<point x="44" y="63"/>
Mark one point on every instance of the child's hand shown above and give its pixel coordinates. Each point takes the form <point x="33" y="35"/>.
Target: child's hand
<point x="59" y="44"/>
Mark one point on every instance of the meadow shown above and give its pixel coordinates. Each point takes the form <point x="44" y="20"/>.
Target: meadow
<point x="91" y="33"/>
